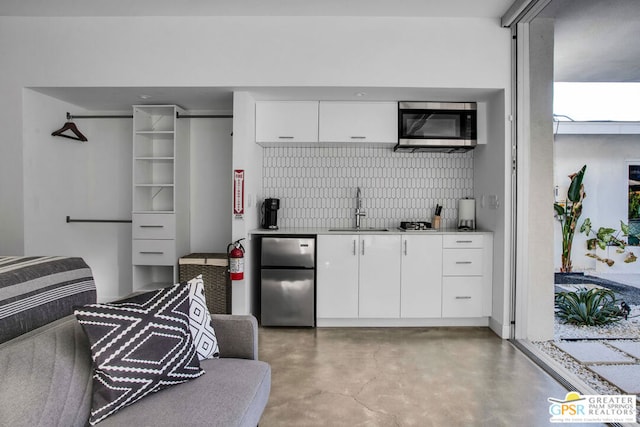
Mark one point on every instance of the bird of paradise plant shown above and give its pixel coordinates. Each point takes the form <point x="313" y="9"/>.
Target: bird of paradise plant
<point x="568" y="213"/>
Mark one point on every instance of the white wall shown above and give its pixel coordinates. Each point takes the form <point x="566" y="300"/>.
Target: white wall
<point x="606" y="186"/>
<point x="83" y="180"/>
<point x="492" y="178"/>
<point x="92" y="180"/>
<point x="231" y="52"/>
<point x="540" y="227"/>
<point x="211" y="145"/>
<point x="247" y="156"/>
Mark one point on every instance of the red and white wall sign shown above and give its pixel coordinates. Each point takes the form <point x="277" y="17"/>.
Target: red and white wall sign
<point x="238" y="193"/>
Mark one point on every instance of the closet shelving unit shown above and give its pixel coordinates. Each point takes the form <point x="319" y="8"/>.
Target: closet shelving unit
<point x="160" y="194"/>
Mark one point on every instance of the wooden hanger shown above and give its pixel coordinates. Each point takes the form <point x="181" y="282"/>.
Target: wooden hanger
<point x="73" y="128"/>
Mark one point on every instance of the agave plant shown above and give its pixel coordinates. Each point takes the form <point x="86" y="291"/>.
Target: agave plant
<point x="589" y="307"/>
<point x="568" y="213"/>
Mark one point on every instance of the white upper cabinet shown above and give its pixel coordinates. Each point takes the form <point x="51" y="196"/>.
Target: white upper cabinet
<point x="299" y="123"/>
<point x="286" y="122"/>
<point x="358" y="122"/>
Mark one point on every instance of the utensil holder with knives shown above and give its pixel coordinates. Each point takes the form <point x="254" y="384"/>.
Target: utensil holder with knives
<point x="436" y="217"/>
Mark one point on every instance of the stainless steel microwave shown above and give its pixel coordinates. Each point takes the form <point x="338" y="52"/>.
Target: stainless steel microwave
<point x="446" y="127"/>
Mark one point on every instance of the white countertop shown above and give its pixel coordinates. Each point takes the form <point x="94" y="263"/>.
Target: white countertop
<point x="324" y="230"/>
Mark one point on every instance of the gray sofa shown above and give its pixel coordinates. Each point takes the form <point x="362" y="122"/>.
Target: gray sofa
<point x="46" y="380"/>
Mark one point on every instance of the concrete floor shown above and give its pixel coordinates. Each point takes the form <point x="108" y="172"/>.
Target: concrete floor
<point x="402" y="377"/>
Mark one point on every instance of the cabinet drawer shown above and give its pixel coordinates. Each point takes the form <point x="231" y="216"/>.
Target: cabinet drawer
<point x="462" y="297"/>
<point x="154" y="252"/>
<point x="462" y="241"/>
<point x="154" y="226"/>
<point x="462" y="262"/>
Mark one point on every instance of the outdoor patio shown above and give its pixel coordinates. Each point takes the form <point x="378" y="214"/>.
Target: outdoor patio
<point x="598" y="359"/>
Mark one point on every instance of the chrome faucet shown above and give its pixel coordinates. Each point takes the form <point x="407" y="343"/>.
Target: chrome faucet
<point x="359" y="211"/>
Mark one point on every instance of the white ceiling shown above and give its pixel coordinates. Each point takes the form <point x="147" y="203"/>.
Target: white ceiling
<point x="220" y="100"/>
<point x="122" y="98"/>
<point x="435" y="8"/>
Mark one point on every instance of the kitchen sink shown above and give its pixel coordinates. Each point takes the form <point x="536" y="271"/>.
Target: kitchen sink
<point x="359" y="230"/>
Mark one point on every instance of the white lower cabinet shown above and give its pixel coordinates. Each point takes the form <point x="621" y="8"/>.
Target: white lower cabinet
<point x="462" y="262"/>
<point x="465" y="263"/>
<point x="337" y="276"/>
<point x="412" y="278"/>
<point x="462" y="296"/>
<point x="421" y="277"/>
<point x="379" y="282"/>
<point x="358" y="276"/>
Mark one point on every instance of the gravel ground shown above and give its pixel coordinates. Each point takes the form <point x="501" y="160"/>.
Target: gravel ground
<point x="572" y="365"/>
<point x="593" y="380"/>
<point x="626" y="329"/>
<point x="623" y="329"/>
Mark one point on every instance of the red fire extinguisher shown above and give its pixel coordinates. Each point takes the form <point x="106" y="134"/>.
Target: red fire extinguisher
<point x="236" y="260"/>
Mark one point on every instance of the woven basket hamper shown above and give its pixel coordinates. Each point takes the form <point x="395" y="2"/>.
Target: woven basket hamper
<point x="215" y="275"/>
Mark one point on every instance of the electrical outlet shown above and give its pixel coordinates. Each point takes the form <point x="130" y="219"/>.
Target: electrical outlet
<point x="493" y="201"/>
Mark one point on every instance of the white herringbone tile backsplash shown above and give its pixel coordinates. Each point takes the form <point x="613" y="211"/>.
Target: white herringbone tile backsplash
<point x="317" y="186"/>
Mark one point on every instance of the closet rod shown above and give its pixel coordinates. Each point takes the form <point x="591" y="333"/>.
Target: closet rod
<point x="205" y="116"/>
<point x="69" y="219"/>
<point x="178" y="116"/>
<point x="71" y="117"/>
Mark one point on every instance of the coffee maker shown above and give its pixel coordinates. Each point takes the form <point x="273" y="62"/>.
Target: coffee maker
<point x="270" y="214"/>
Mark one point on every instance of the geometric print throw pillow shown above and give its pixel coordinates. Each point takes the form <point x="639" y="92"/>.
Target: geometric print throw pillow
<point x="138" y="347"/>
<point x="202" y="332"/>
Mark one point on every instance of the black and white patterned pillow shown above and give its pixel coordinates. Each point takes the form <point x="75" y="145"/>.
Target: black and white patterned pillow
<point x="202" y="332"/>
<point x="138" y="347"/>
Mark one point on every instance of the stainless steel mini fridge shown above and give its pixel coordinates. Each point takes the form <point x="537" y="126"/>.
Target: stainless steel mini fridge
<point x="287" y="281"/>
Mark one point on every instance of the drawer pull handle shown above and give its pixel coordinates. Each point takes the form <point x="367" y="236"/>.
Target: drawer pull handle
<point x="464" y="241"/>
<point x="285" y="137"/>
<point x="358" y="137"/>
<point x="152" y="226"/>
<point x="152" y="252"/>
<point x="304" y="245"/>
<point x="464" y="262"/>
<point x="463" y="297"/>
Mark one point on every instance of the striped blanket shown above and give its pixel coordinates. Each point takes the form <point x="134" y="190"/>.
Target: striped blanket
<point x="37" y="290"/>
